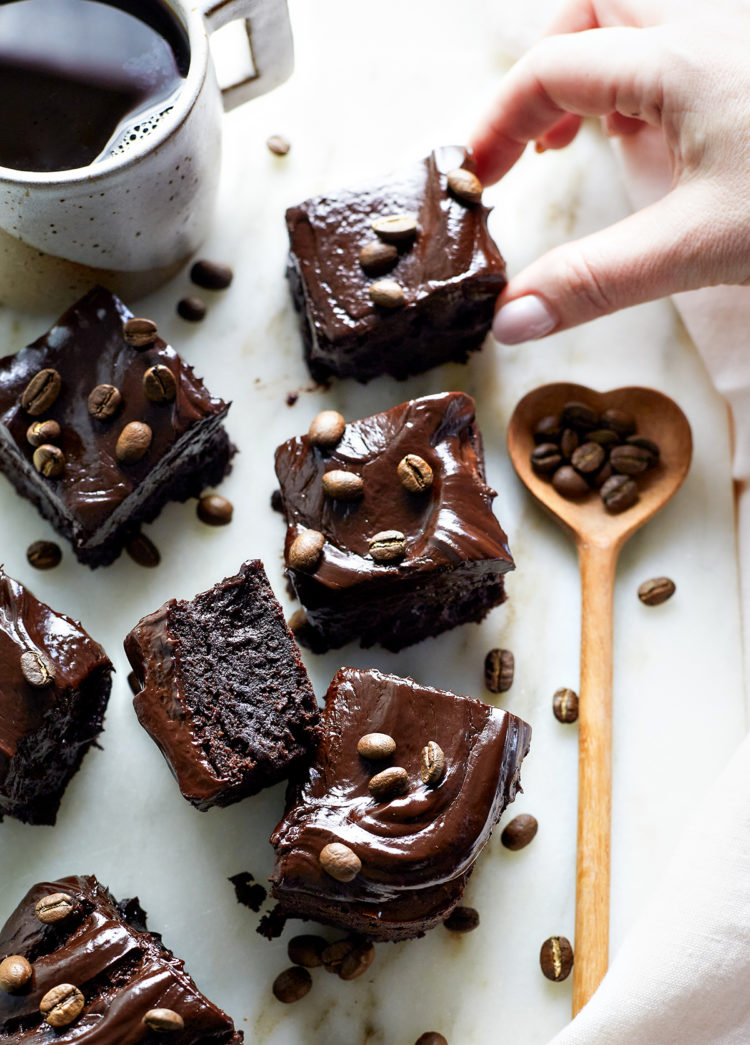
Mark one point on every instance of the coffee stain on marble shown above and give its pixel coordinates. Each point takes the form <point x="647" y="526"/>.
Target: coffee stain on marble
<point x="562" y="214"/>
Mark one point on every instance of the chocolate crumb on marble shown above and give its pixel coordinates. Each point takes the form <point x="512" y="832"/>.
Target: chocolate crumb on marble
<point x="248" y="892"/>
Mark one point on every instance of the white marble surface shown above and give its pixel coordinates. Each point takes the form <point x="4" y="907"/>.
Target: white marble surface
<point x="377" y="85"/>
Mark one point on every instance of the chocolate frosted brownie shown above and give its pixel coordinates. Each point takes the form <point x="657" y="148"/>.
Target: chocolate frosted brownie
<point x="382" y="832"/>
<point x="222" y="689"/>
<point x="390" y="531"/>
<point x="88" y="970"/>
<point x="100" y="427"/>
<point x="403" y="295"/>
<point x="54" y="687"/>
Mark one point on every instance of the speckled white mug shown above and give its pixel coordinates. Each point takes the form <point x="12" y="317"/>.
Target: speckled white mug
<point x="130" y="219"/>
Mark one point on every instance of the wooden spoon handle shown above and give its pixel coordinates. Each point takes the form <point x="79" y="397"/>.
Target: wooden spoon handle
<point x="597" y="566"/>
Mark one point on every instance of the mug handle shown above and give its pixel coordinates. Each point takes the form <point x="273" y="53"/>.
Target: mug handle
<point x="269" y="35"/>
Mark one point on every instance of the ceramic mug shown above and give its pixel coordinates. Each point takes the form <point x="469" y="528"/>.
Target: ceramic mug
<point x="133" y="217"/>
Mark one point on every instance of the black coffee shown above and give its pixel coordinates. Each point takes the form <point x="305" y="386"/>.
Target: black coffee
<point x="81" y="78"/>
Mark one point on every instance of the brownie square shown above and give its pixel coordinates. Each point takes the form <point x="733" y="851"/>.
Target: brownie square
<point x="99" y="501"/>
<point x="450" y="272"/>
<point x="455" y="552"/>
<point x="54" y="687"/>
<point x="222" y="689"/>
<point x="116" y="973"/>
<point x="415" y="845"/>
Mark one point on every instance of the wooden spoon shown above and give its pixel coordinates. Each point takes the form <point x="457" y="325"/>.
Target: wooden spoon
<point x="599" y="536"/>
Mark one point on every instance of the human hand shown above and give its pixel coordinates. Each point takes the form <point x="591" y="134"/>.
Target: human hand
<point x="675" y="72"/>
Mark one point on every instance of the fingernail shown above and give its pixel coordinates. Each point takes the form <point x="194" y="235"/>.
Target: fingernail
<point x="523" y="319"/>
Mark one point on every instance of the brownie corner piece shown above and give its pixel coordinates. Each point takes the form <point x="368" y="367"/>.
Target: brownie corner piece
<point x="222" y="689"/>
<point x="55" y="683"/>
<point x="446" y="268"/>
<point x="65" y="402"/>
<point x="396" y="562"/>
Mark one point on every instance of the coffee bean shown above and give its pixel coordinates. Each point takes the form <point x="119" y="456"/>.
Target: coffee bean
<point x="378" y="257"/>
<point x="546" y="458"/>
<point x="588" y="458"/>
<point x="499" y="667"/>
<point x="49" y="460"/>
<point x="192" y="309"/>
<point x="386" y="293"/>
<point x="305" y="551"/>
<point x="306" y="950"/>
<point x="569" y="483"/>
<point x="297" y="622"/>
<point x="278" y="145"/>
<point x="556" y="958"/>
<point x="15" y="973"/>
<point x="54" y="907"/>
<point x="36" y="669"/>
<point x="620" y="421"/>
<point x="292" y="984"/>
<point x="40" y="432"/>
<point x="139" y="332"/>
<point x="376" y="746"/>
<point x="211" y="274"/>
<point x="569" y="443"/>
<point x="548" y="429"/>
<point x="335" y="953"/>
<point x="565" y="705"/>
<point x="342" y="486"/>
<point x="656" y="591"/>
<point x="432" y="763"/>
<point x="388" y="784"/>
<point x="579" y="415"/>
<point x="143" y="551"/>
<point x="431" y="1037"/>
<point x="357" y="961"/>
<point x="133" y="442"/>
<point x="462" y="920"/>
<point x="159" y="384"/>
<point x="645" y="444"/>
<point x="519" y="832"/>
<point x="215" y="510"/>
<point x="630" y="460"/>
<point x="604" y="437"/>
<point x="415" y="473"/>
<point x="395" y="228"/>
<point x="133" y="683"/>
<point x="387" y="546"/>
<point x="62" y="1005"/>
<point x="104" y="401"/>
<point x="339" y="861"/>
<point x="41" y="391"/>
<point x="44" y="555"/>
<point x="163" y="1021"/>
<point x="465" y="185"/>
<point x="326" y="429"/>
<point x="619" y="493"/>
<point x="602" y="475"/>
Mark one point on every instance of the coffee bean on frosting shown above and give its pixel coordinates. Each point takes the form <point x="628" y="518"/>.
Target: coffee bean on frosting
<point x="143" y="551"/>
<point x="565" y="705"/>
<point x="292" y="984"/>
<point x="376" y="746"/>
<point x="432" y="764"/>
<point x="215" y="510"/>
<point x="465" y="185"/>
<point x="54" y="907"/>
<point x="340" y="862"/>
<point x="387" y="293"/>
<point x="395" y="228"/>
<point x="49" y="460"/>
<point x="163" y="1021"/>
<point x="159" y="384"/>
<point x="387" y="546"/>
<point x="62" y="1005"/>
<point x="41" y="391"/>
<point x="305" y="550"/>
<point x="499" y="669"/>
<point x="656" y="591"/>
<point x="556" y="958"/>
<point x="139" y="332"/>
<point x="211" y="275"/>
<point x="15" y="973"/>
<point x="519" y="831"/>
<point x="133" y="442"/>
<point x="389" y="783"/>
<point x="342" y="486"/>
<point x="40" y="432"/>
<point x="44" y="555"/>
<point x="378" y="257"/>
<point x="326" y="429"/>
<point x="414" y="473"/>
<point x="104" y="401"/>
<point x="192" y="309"/>
<point x="35" y="669"/>
<point x="462" y="920"/>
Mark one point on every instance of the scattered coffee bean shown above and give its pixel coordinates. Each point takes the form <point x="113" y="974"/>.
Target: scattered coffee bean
<point x="326" y="429"/>
<point x="499" y="668"/>
<point x="139" y="332"/>
<point x="431" y="1037"/>
<point x="133" y="442"/>
<point x="395" y="228"/>
<point x="556" y="958"/>
<point x="340" y="862"/>
<point x="215" y="510"/>
<point x="306" y="950"/>
<point x="357" y="961"/>
<point x="54" y="907"/>
<point x="389" y="784"/>
<point x="588" y="458"/>
<point x="569" y="483"/>
<point x="619" y="493"/>
<point x="163" y="1021"/>
<point x="387" y="546"/>
<point x="49" y="460"/>
<point x="604" y="437"/>
<point x="133" y="683"/>
<point x="462" y="920"/>
<point x="620" y="421"/>
<point x="159" y="384"/>
<point x="656" y="591"/>
<point x="62" y="1005"/>
<point x="278" y="145"/>
<point x="35" y="669"/>
<point x="41" y="391"/>
<point x="292" y="984"/>
<point x="645" y="444"/>
<point x="305" y="551"/>
<point x="432" y="764"/>
<point x="565" y="705"/>
<point x="342" y="486"/>
<point x="548" y="429"/>
<point x="335" y="953"/>
<point x="378" y="257"/>
<point x="387" y="293"/>
<point x="415" y="473"/>
<point x="104" y="401"/>
<point x="192" y="309"/>
<point x="569" y="443"/>
<point x="40" y="432"/>
<point x="376" y="746"/>
<point x="15" y="973"/>
<point x="143" y="551"/>
<point x="519" y="832"/>
<point x="44" y="555"/>
<point x="546" y="458"/>
<point x="579" y="415"/>
<point x="630" y="460"/>
<point x="465" y="185"/>
<point x="211" y="275"/>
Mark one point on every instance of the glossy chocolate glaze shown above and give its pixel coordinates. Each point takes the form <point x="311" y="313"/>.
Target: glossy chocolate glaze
<point x="102" y="948"/>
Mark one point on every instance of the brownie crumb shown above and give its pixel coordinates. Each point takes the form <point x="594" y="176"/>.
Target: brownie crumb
<point x="247" y="893"/>
<point x="292" y="398"/>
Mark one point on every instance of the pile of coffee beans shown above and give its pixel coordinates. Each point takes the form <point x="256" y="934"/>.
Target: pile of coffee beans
<point x="348" y="958"/>
<point x="580" y="450"/>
